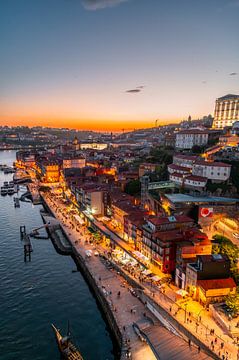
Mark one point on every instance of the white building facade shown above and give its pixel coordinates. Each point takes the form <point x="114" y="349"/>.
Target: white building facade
<point x="186" y="139"/>
<point x="215" y="171"/>
<point x="226" y="111"/>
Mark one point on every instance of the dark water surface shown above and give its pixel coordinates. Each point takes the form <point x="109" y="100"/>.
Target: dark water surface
<point x="33" y="295"/>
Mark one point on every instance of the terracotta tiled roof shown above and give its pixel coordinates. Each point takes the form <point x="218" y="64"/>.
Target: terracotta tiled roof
<point x="171" y="219"/>
<point x="197" y="178"/>
<point x="186" y="157"/>
<point x="193" y="131"/>
<point x="217" y="284"/>
<point x="215" y="163"/>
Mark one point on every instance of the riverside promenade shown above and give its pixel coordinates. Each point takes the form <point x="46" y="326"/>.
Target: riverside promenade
<point x="126" y="308"/>
<point x="123" y="308"/>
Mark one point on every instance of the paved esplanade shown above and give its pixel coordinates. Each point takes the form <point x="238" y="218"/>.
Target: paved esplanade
<point x="127" y="309"/>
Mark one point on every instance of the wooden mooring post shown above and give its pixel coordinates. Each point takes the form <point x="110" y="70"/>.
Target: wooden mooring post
<point x="27" y="252"/>
<point x="22" y="231"/>
<point x="26" y="243"/>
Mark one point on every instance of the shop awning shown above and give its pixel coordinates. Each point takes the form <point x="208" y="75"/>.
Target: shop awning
<point x="182" y="292"/>
<point x="79" y="219"/>
<point x="146" y="272"/>
<point x="140" y="256"/>
<point x="117" y="251"/>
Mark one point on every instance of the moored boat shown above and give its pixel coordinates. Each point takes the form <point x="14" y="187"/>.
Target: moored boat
<point x="3" y="167"/>
<point x="10" y="190"/>
<point x="3" y="190"/>
<point x="66" y="347"/>
<point x="9" y="170"/>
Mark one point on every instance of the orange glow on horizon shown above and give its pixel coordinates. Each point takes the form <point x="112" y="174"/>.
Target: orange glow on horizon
<point x="86" y="124"/>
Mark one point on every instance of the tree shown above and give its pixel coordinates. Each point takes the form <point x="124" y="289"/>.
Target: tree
<point x="232" y="302"/>
<point x="133" y="187"/>
<point x="161" y="156"/>
<point x="160" y="174"/>
<point x="225" y="246"/>
<point x="196" y="149"/>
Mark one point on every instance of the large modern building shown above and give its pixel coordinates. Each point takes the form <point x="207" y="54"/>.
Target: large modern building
<point x="226" y="111"/>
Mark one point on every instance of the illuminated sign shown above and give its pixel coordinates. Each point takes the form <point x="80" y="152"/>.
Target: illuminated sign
<point x="206" y="212"/>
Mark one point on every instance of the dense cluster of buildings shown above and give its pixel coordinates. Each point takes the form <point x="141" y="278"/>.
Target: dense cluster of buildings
<point x="167" y="229"/>
<point x="193" y="172"/>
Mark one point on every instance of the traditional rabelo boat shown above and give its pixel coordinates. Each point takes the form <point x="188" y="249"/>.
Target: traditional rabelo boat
<point x="66" y="347"/>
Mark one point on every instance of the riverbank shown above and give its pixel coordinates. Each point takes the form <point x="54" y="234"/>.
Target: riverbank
<point x="121" y="314"/>
<point x="106" y="286"/>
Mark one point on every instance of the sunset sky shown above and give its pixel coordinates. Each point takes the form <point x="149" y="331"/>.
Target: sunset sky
<point x="114" y="64"/>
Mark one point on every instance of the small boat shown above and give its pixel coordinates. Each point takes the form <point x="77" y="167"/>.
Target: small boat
<point x="9" y="170"/>
<point x="66" y="347"/>
<point x="3" y="190"/>
<point x="2" y="167"/>
<point x="5" y="183"/>
<point x="10" y="190"/>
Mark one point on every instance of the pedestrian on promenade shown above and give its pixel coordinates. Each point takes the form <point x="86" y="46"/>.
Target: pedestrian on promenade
<point x="215" y="340"/>
<point x="199" y="349"/>
<point x="189" y="342"/>
<point x="222" y="345"/>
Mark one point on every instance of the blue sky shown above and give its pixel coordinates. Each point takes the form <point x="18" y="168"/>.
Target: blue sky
<point x="74" y="61"/>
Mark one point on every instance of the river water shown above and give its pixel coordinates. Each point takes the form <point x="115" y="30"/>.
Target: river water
<point x="35" y="294"/>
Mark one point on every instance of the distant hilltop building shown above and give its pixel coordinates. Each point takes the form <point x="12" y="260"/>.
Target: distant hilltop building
<point x="226" y="111"/>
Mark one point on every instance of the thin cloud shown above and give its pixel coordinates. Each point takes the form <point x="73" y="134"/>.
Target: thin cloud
<point x="100" y="4"/>
<point x="133" y="91"/>
<point x="233" y="74"/>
